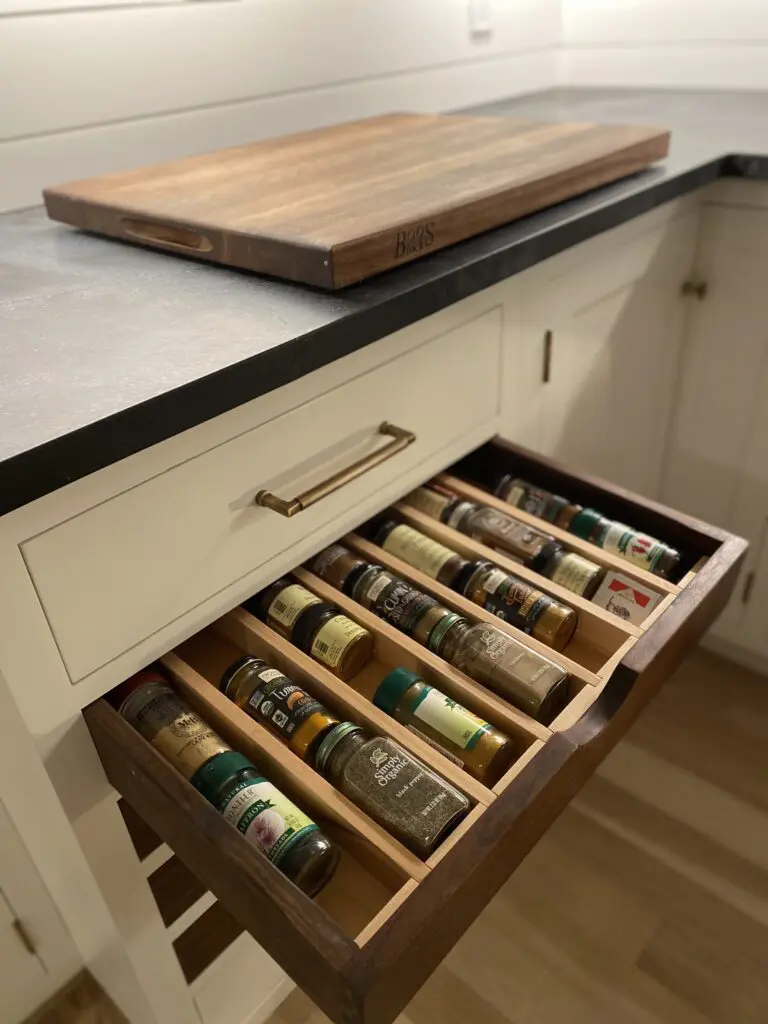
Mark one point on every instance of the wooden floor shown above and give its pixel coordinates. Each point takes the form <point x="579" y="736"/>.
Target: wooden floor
<point x="648" y="900"/>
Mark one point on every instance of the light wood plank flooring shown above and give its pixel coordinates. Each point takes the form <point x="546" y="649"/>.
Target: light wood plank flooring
<point x="648" y="900"/>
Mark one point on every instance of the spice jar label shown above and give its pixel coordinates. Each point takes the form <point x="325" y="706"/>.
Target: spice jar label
<point x="265" y="817"/>
<point x="175" y="730"/>
<point x="417" y="550"/>
<point x="430" y="502"/>
<point x="288" y="605"/>
<point x="282" y="703"/>
<point x="380" y="583"/>
<point x="451" y="720"/>
<point x="574" y="573"/>
<point x="333" y="639"/>
<point x="514" y="600"/>
<point x="638" y="548"/>
<point x="400" y="604"/>
<point x="626" y="598"/>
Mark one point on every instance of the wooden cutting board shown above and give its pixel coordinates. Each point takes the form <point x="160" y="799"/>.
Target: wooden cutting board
<point x="336" y="205"/>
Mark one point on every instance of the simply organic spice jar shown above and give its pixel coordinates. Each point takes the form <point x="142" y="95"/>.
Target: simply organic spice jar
<point x="411" y="801"/>
<point x="316" y="627"/>
<point x="433" y="559"/>
<point x="163" y="718"/>
<point x="524" y="677"/>
<point x="269" y="820"/>
<point x="521" y="604"/>
<point x="484" y="751"/>
<point x="276" y="702"/>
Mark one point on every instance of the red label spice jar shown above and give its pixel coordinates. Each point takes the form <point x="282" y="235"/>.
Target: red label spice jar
<point x="484" y="751"/>
<point x="314" y="626"/>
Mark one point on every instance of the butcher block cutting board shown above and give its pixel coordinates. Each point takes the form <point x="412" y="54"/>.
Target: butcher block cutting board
<point x="336" y="205"/>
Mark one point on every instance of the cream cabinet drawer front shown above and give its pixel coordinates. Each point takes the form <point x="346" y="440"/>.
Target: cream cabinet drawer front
<point x="117" y="573"/>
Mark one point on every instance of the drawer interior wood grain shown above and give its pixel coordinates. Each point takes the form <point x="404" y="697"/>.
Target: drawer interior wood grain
<point x="387" y="918"/>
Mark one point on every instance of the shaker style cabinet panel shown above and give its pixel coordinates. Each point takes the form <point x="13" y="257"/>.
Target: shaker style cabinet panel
<point x="609" y="331"/>
<point x="388" y="916"/>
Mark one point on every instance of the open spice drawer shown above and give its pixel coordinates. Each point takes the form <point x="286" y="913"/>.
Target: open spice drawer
<point x="366" y="944"/>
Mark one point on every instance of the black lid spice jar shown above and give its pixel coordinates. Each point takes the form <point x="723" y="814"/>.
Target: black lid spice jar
<point x="411" y="801"/>
<point x="484" y="751"/>
<point x="272" y="699"/>
<point x="163" y="718"/>
<point x="434" y="559"/>
<point x="553" y="508"/>
<point x="269" y="820"/>
<point x="316" y="627"/>
<point x="640" y="549"/>
<point x="521" y="604"/>
<point x="524" y="677"/>
<point x="338" y="566"/>
<point x="406" y="608"/>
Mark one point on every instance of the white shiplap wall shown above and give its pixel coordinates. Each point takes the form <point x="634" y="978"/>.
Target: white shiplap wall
<point x="90" y="90"/>
<point x="721" y="44"/>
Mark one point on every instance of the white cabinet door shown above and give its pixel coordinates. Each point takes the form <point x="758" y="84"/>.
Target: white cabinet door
<point x="617" y="321"/>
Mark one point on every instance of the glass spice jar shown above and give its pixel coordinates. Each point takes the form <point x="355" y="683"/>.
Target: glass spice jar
<point x="524" y="677"/>
<point x="554" y="508"/>
<point x="272" y="699"/>
<point x="411" y="801"/>
<point x="638" y="548"/>
<point x="316" y="627"/>
<point x="163" y="718"/>
<point x="484" y="751"/>
<point x="406" y="607"/>
<point x="532" y="548"/>
<point x="338" y="566"/>
<point x="434" y="559"/>
<point x="269" y="820"/>
<point x="521" y="604"/>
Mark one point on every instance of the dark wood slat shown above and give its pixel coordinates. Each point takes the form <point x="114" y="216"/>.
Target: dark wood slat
<point x="143" y="838"/>
<point x="335" y="205"/>
<point x="175" y="889"/>
<point x="205" y="940"/>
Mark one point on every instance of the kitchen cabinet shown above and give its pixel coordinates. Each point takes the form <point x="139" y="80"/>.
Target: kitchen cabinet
<point x="716" y="464"/>
<point x="607" y="321"/>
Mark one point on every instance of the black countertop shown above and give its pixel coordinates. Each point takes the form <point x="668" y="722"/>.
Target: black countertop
<point x="107" y="348"/>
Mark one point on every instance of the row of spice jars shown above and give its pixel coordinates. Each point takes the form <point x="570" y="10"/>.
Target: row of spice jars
<point x="487" y="654"/>
<point x="636" y="547"/>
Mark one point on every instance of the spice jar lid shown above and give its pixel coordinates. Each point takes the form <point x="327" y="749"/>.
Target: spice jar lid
<point x="382" y="529"/>
<point x="392" y="687"/>
<point x="461" y="580"/>
<point x="234" y="668"/>
<point x="331" y="741"/>
<point x="309" y="621"/>
<point x="210" y="777"/>
<point x="438" y="634"/>
<point x="584" y="523"/>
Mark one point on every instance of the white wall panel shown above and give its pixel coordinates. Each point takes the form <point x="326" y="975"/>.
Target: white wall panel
<point x="600" y="22"/>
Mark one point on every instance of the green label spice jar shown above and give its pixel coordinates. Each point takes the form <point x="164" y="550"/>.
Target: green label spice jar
<point x="484" y="751"/>
<point x="521" y="604"/>
<point x="638" y="548"/>
<point x="411" y="801"/>
<point x="155" y="710"/>
<point x="415" y="548"/>
<point x="524" y="677"/>
<point x="269" y="820"/>
<point x="316" y="627"/>
<point x="272" y="699"/>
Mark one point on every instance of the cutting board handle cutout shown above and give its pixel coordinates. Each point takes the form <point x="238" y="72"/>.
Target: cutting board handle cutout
<point x="167" y="235"/>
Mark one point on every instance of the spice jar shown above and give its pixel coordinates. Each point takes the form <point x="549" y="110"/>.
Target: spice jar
<point x="269" y="820"/>
<point x="420" y="551"/>
<point x="638" y="548"/>
<point x="406" y="608"/>
<point x="177" y="732"/>
<point x="532" y="548"/>
<point x="524" y="677"/>
<point x="314" y="626"/>
<point x="536" y="501"/>
<point x="272" y="699"/>
<point x="411" y="801"/>
<point x="521" y="604"/>
<point x="484" y="751"/>
<point x="338" y="566"/>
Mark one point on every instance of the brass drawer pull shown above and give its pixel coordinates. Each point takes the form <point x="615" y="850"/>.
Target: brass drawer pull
<point x="291" y="507"/>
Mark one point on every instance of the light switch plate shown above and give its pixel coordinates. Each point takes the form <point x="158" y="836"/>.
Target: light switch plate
<point x="480" y="18"/>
